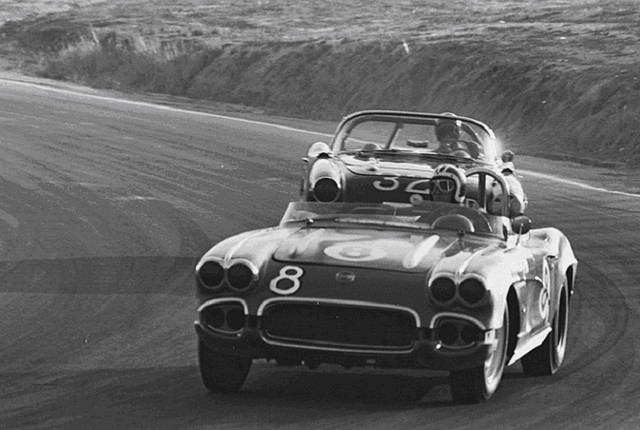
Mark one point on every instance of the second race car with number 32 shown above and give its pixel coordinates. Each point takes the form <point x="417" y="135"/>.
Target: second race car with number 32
<point x="418" y="285"/>
<point x="383" y="155"/>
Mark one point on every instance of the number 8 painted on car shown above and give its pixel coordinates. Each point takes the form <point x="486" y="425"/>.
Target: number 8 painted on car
<point x="286" y="275"/>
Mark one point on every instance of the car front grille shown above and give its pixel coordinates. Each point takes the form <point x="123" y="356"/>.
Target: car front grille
<point x="331" y="326"/>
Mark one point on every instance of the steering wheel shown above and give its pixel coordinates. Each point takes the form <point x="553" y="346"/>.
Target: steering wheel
<point x="483" y="189"/>
<point x="454" y="222"/>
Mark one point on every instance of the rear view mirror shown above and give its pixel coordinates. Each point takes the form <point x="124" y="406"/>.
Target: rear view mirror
<point x="507" y="163"/>
<point x="507" y="156"/>
<point x="521" y="224"/>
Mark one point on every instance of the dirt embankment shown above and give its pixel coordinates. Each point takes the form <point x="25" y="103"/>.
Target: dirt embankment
<point x="535" y="102"/>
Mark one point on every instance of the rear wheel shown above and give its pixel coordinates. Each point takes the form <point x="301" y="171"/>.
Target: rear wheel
<point x="548" y="357"/>
<point x="477" y="384"/>
<point x="222" y="373"/>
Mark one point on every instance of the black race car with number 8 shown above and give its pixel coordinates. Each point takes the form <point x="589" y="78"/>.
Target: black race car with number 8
<point x="456" y="285"/>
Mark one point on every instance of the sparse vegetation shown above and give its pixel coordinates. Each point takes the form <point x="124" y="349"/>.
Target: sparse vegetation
<point x="557" y="76"/>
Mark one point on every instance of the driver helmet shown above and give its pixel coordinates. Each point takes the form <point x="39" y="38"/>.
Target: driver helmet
<point x="448" y="182"/>
<point x="448" y="129"/>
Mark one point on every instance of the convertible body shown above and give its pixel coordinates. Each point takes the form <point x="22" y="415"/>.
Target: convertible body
<point x="426" y="285"/>
<point x="384" y="155"/>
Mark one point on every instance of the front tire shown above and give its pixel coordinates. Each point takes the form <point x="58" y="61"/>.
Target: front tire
<point x="546" y="359"/>
<point x="222" y="373"/>
<point x="478" y="384"/>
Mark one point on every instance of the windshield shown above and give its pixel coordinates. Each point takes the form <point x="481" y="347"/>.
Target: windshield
<point x="425" y="215"/>
<point x="421" y="133"/>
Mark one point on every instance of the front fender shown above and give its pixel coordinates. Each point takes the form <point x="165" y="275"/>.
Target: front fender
<point x="325" y="168"/>
<point x="558" y="251"/>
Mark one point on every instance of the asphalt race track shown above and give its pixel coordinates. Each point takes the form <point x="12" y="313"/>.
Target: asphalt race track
<point x="105" y="207"/>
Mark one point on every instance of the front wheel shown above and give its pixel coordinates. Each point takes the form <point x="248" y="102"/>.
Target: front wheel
<point x="477" y="384"/>
<point x="548" y="357"/>
<point x="222" y="373"/>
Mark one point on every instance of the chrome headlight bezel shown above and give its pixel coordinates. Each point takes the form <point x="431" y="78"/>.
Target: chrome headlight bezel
<point x="470" y="292"/>
<point x="335" y="192"/>
<point x="252" y="276"/>
<point x="473" y="292"/>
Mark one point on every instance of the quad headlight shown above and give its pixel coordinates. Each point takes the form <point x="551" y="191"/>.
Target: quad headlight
<point x="211" y="274"/>
<point x="457" y="332"/>
<point x="238" y="275"/>
<point x="471" y="292"/>
<point x="443" y="290"/>
<point x="227" y="317"/>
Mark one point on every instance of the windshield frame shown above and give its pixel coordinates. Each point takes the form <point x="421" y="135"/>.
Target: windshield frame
<point x="484" y="135"/>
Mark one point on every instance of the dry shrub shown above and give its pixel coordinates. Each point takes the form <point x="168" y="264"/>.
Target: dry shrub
<point x="582" y="110"/>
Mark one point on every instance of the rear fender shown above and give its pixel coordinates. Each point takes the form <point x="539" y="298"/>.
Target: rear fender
<point x="560" y="257"/>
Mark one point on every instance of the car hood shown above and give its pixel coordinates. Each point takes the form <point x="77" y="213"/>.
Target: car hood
<point x="383" y="249"/>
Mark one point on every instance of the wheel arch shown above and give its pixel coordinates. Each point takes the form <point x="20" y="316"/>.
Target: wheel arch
<point x="513" y="304"/>
<point x="571" y="279"/>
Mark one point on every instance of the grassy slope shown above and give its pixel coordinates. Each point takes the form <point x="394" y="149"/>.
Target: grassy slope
<point x="558" y="76"/>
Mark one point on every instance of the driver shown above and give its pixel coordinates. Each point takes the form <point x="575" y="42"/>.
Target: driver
<point x="448" y="184"/>
<point x="447" y="133"/>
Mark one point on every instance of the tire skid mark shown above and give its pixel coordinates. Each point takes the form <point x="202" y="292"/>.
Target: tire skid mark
<point x="109" y="308"/>
<point x="605" y="362"/>
<point x="600" y="365"/>
<point x="577" y="184"/>
<point x="614" y="312"/>
<point x="99" y="275"/>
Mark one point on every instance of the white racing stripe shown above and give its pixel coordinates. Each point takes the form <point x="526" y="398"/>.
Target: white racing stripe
<point x="161" y="107"/>
<point x="282" y="127"/>
<point x="575" y="183"/>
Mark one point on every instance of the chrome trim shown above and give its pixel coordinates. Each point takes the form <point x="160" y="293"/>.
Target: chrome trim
<point x="489" y="337"/>
<point x="316" y="180"/>
<point x="349" y="350"/>
<point x="356" y="303"/>
<point x="345" y="276"/>
<point x="454" y="315"/>
<point x="461" y="278"/>
<point x="254" y="270"/>
<point x="201" y="263"/>
<point x="457" y="280"/>
<point x="338" y="139"/>
<point x="483" y="301"/>
<point x="224" y="300"/>
<point x="226" y="264"/>
<point x="213" y="302"/>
